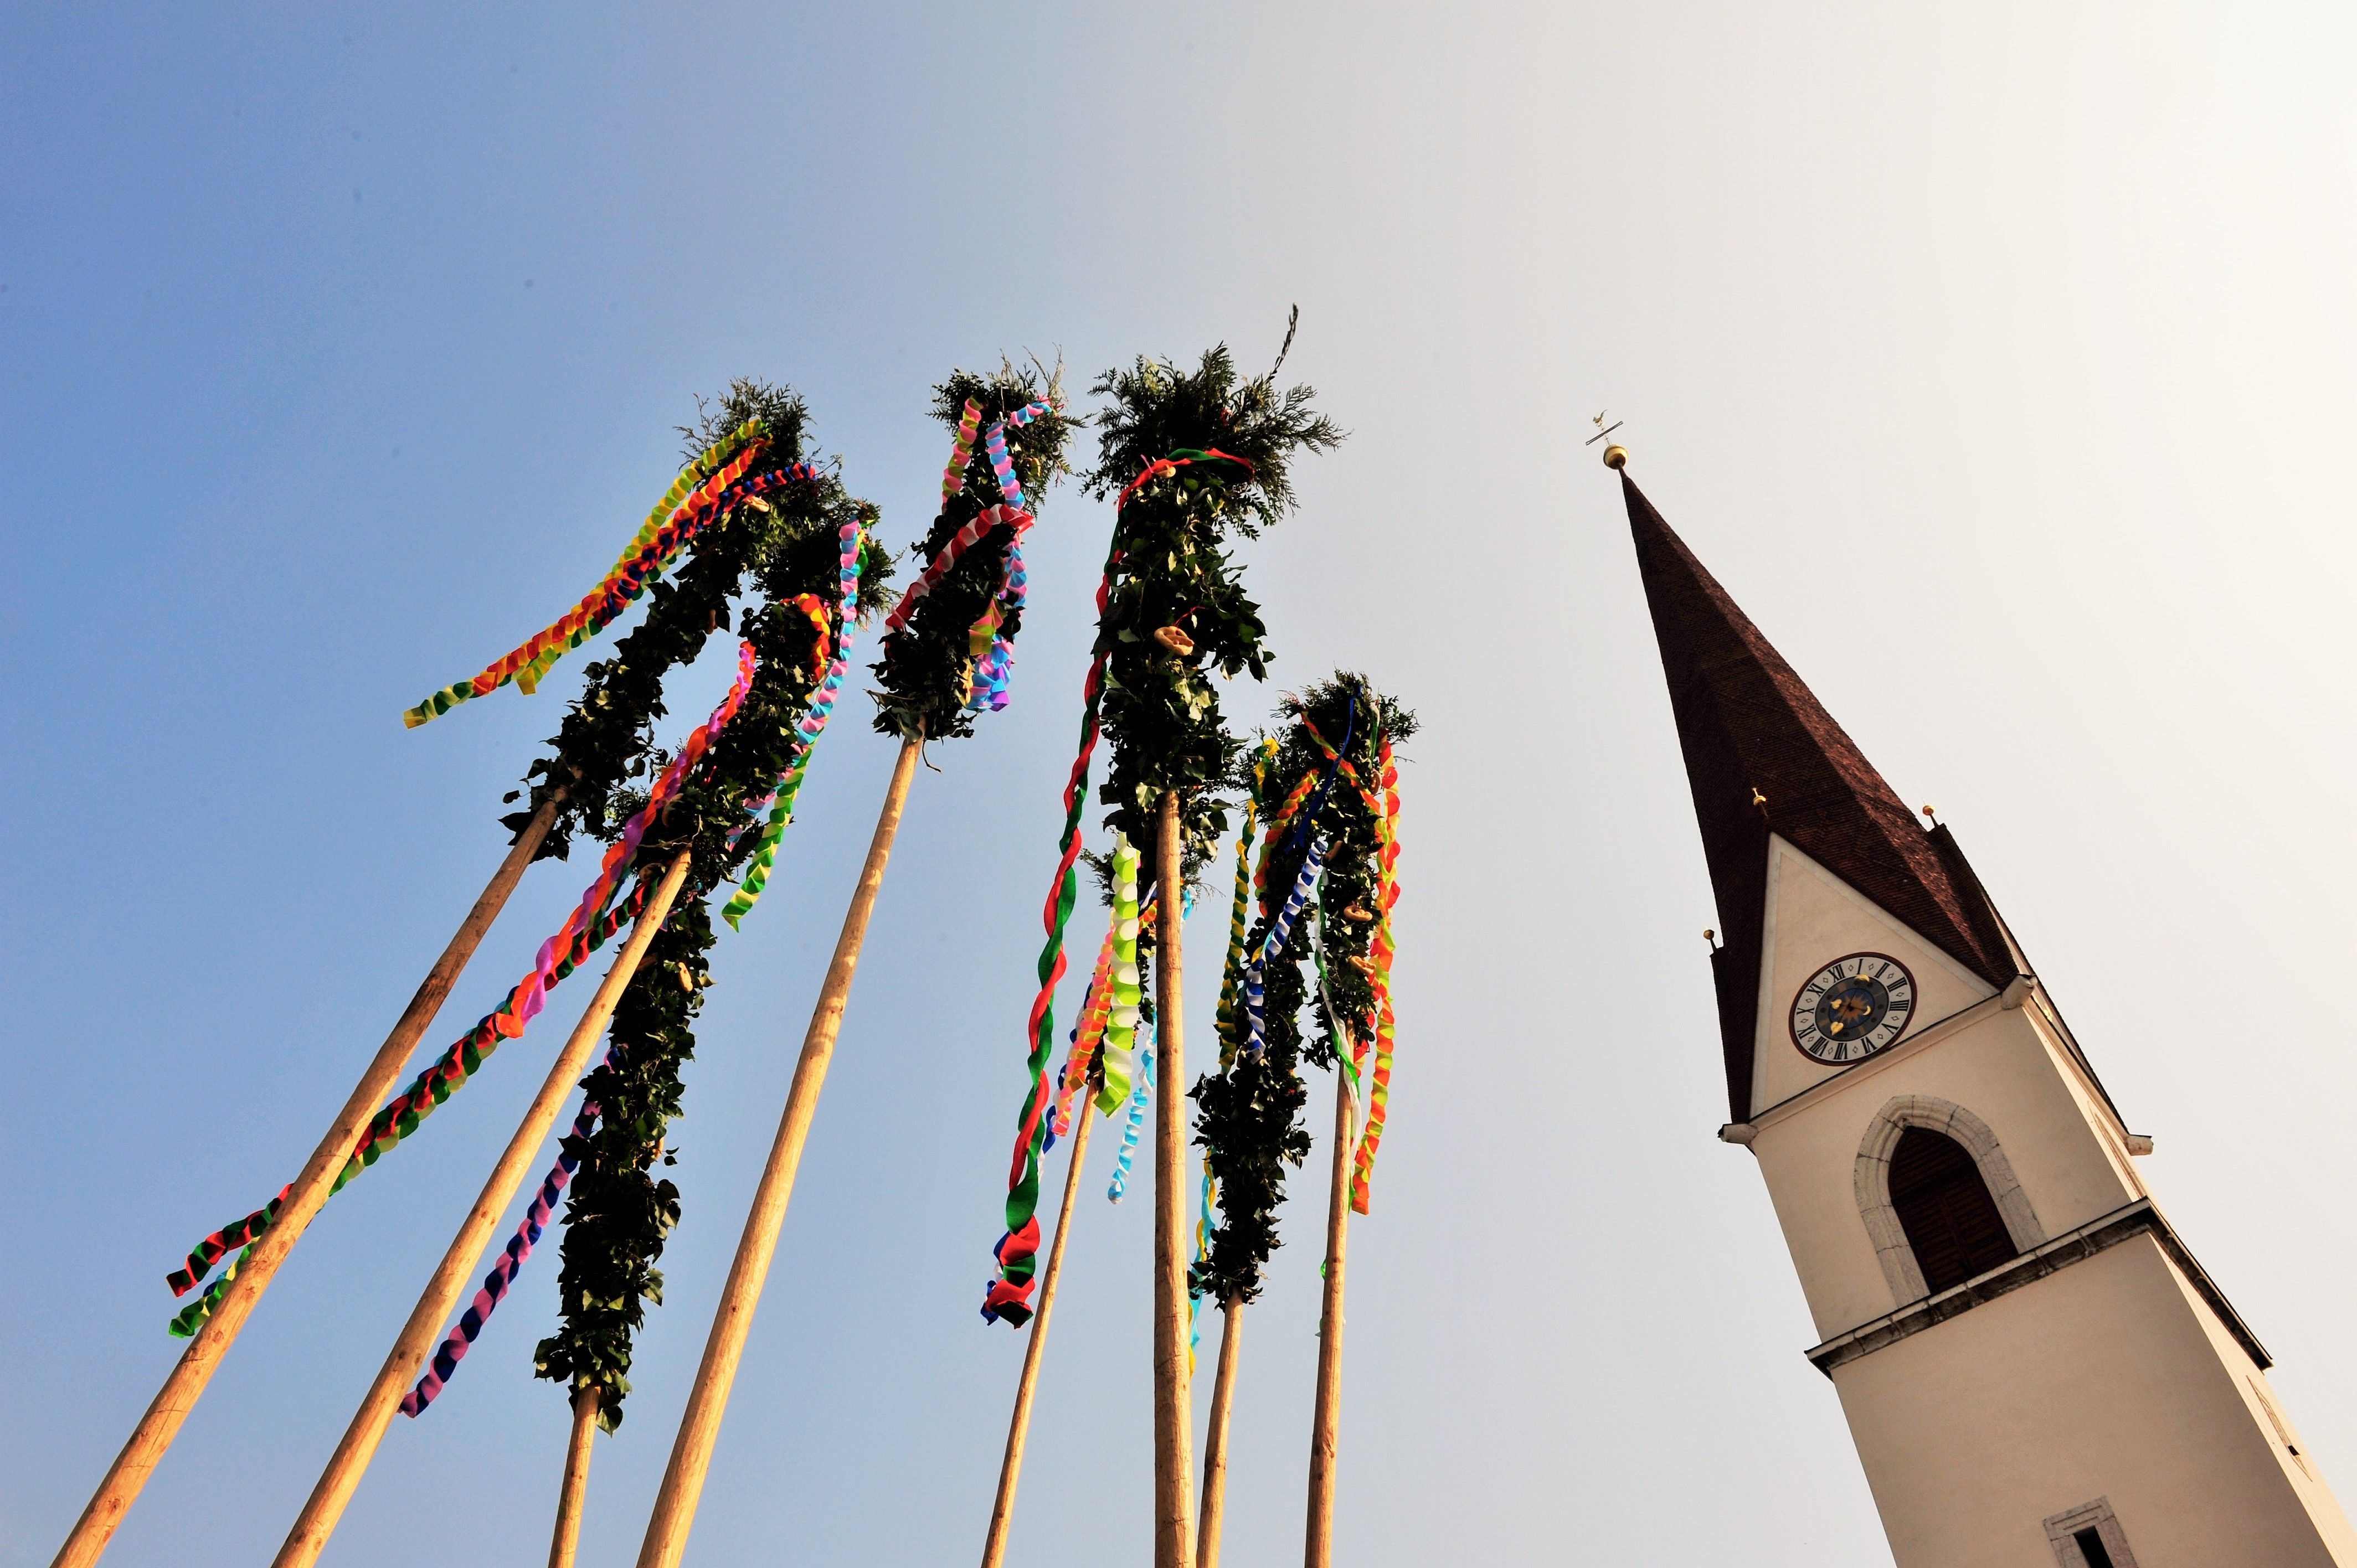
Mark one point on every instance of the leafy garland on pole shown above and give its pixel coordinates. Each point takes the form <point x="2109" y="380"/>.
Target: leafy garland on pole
<point x="1314" y="786"/>
<point x="1193" y="459"/>
<point x="621" y="1214"/>
<point x="949" y="646"/>
<point x="738" y="500"/>
<point x="809" y="562"/>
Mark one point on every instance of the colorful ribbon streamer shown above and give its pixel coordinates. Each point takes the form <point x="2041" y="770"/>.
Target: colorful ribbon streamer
<point x="453" y="1349"/>
<point x="1382" y="801"/>
<point x="1009" y="1296"/>
<point x="1127" y="991"/>
<point x="1136" y="1122"/>
<point x="652" y="554"/>
<point x="781" y="802"/>
<point x="1346" y="1036"/>
<point x="1382" y="951"/>
<point x="1204" y="1229"/>
<point x="961" y="450"/>
<point x="996" y="668"/>
<point x="1280" y="931"/>
<point x="1231" y="967"/>
<point x="583" y="930"/>
<point x="1088" y="1033"/>
<point x="942" y="564"/>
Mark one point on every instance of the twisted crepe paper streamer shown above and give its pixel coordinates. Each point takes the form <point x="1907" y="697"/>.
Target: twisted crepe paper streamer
<point x="1231" y="967"/>
<point x="1278" y="820"/>
<point x="1127" y="991"/>
<point x="964" y="539"/>
<point x="1202" y="1252"/>
<point x="1385" y="806"/>
<point x="1383" y="950"/>
<point x="660" y="554"/>
<point x="1096" y="1010"/>
<point x="996" y="668"/>
<point x="961" y="450"/>
<point x="1136" y="1121"/>
<point x="453" y="1349"/>
<point x="1009" y="1296"/>
<point x="584" y="929"/>
<point x="388" y="1127"/>
<point x="812" y="726"/>
<point x="1346" y="1036"/>
<point x="252" y="1228"/>
<point x="1280" y="930"/>
<point x="227" y="1239"/>
<point x="621" y="587"/>
<point x="1333" y="766"/>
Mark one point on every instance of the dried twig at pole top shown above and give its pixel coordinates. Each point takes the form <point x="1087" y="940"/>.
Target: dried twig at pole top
<point x="1320" y="785"/>
<point x="1193" y="459"/>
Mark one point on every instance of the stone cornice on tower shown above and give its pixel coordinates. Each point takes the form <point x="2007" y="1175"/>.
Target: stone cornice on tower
<point x="1763" y="756"/>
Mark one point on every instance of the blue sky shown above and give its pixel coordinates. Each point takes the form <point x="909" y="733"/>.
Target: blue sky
<point x="341" y="347"/>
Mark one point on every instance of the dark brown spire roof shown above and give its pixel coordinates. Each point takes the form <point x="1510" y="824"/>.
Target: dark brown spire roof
<point x="1749" y="727"/>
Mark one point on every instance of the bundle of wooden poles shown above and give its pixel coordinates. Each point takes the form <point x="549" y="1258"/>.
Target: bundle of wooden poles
<point x="755" y="528"/>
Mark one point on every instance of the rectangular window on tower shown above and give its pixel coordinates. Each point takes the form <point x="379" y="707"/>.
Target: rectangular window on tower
<point x="2089" y="1537"/>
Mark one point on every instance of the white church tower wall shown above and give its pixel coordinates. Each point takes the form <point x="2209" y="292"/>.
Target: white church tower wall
<point x="2035" y="1368"/>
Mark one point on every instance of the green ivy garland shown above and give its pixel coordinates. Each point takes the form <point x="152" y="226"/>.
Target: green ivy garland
<point x="927" y="667"/>
<point x="619" y="1214"/>
<point x="1249" y="1114"/>
<point x="1178" y="610"/>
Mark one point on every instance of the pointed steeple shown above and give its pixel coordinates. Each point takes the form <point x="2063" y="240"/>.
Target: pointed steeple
<point x="1763" y="756"/>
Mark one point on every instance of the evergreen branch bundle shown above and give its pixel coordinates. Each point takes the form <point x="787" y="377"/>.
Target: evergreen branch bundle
<point x="927" y="666"/>
<point x="1249" y="1115"/>
<point x="1196" y="457"/>
<point x="785" y="548"/>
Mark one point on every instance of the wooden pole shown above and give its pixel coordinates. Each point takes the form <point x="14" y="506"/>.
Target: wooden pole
<point x="1174" y="1545"/>
<point x="1215" y="1440"/>
<point x="576" y="1478"/>
<point x="1326" y="1428"/>
<point x="699" y="1428"/>
<point x="426" y="1320"/>
<point x="1001" y="1513"/>
<point x="195" y="1368"/>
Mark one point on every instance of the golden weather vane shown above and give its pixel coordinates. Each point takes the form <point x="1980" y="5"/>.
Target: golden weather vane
<point x="1615" y="456"/>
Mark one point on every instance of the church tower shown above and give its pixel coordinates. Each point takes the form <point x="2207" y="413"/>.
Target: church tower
<point x="2035" y="1368"/>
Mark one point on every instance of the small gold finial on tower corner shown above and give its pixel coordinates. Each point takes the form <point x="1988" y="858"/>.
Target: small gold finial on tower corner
<point x="1933" y="812"/>
<point x="1616" y="457"/>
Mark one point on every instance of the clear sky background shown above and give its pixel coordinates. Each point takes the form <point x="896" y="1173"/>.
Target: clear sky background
<point x="1998" y="360"/>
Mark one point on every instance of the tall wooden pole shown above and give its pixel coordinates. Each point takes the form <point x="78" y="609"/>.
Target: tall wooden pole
<point x="576" y="1478"/>
<point x="1002" y="1512"/>
<point x="1326" y="1428"/>
<point x="195" y="1368"/>
<point x="425" y="1328"/>
<point x="690" y="1453"/>
<point x="1174" y="1523"/>
<point x="1215" y="1440"/>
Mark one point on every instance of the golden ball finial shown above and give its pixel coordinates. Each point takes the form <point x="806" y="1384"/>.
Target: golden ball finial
<point x="1616" y="457"/>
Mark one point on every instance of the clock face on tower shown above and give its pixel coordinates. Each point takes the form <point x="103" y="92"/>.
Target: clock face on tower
<point x="1853" y="1007"/>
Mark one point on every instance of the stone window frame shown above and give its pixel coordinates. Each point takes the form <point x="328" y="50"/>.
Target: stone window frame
<point x="2062" y="1527"/>
<point x="1900" y="1269"/>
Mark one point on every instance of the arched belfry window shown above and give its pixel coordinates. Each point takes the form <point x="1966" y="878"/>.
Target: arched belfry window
<point x="1951" y="1197"/>
<point x="1950" y="1222"/>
